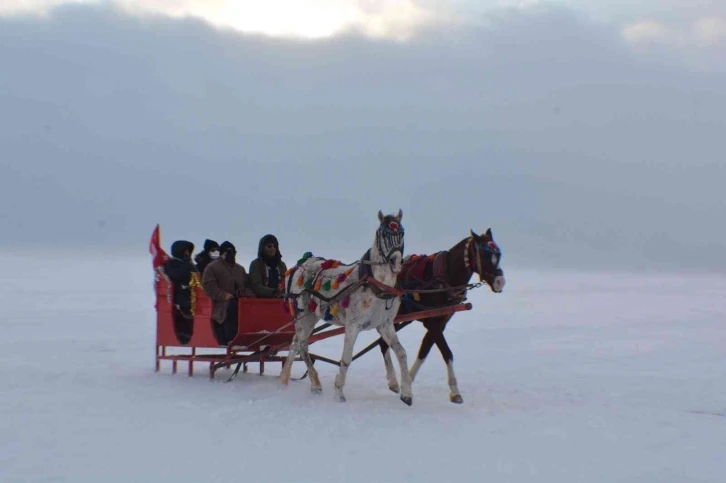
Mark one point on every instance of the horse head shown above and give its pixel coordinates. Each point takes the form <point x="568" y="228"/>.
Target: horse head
<point x="389" y="240"/>
<point x="486" y="257"/>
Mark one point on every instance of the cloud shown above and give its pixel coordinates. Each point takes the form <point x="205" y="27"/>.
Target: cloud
<point x="396" y="19"/>
<point x="711" y="30"/>
<point x="647" y="31"/>
<point x="703" y="32"/>
<point x="543" y="125"/>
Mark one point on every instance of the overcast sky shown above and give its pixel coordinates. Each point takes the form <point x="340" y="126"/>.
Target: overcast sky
<point x="584" y="135"/>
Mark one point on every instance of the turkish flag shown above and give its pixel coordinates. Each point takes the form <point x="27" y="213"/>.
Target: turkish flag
<point x="160" y="256"/>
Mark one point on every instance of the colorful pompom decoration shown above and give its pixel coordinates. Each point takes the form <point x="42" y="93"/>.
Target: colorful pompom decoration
<point x="334" y="310"/>
<point x="312" y="306"/>
<point x="326" y="285"/>
<point x="305" y="256"/>
<point x="318" y="284"/>
<point x="335" y="284"/>
<point x="327" y="315"/>
<point x="345" y="302"/>
<point x="301" y="281"/>
<point x="309" y="283"/>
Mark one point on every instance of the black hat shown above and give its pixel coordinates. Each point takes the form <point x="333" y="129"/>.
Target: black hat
<point x="209" y="245"/>
<point x="180" y="246"/>
<point x="225" y="246"/>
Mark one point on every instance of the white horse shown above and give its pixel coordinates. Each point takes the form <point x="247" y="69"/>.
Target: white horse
<point x="359" y="296"/>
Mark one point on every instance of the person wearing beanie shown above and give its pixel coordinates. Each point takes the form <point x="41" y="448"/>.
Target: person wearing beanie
<point x="208" y="255"/>
<point x="267" y="271"/>
<point x="225" y="281"/>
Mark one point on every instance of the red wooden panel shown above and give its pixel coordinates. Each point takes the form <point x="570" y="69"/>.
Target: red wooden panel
<point x="202" y="333"/>
<point x="257" y="319"/>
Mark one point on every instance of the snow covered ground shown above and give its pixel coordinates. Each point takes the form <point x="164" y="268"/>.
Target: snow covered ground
<point x="566" y="377"/>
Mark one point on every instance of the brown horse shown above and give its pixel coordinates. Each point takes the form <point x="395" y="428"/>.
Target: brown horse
<point x="443" y="279"/>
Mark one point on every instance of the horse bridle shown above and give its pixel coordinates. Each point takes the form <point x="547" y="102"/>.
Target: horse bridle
<point x="392" y="235"/>
<point x="487" y="246"/>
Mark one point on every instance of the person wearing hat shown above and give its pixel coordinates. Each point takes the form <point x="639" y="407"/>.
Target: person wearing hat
<point x="208" y="255"/>
<point x="179" y="269"/>
<point x="267" y="271"/>
<point x="225" y="281"/>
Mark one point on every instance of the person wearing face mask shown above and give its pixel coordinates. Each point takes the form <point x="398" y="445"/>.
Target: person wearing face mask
<point x="225" y="281"/>
<point x="208" y="255"/>
<point x="179" y="269"/>
<point x="268" y="269"/>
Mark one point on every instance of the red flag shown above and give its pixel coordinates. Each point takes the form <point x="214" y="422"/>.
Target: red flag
<point x="158" y="253"/>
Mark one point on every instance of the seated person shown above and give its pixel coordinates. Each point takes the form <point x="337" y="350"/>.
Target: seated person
<point x="267" y="271"/>
<point x="208" y="255"/>
<point x="179" y="269"/>
<point x="224" y="281"/>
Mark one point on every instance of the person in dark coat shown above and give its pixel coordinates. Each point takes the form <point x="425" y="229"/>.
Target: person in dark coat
<point x="268" y="269"/>
<point x="208" y="255"/>
<point x="179" y="269"/>
<point x="224" y="281"/>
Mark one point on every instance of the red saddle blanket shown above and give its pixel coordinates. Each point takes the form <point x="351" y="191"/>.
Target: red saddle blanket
<point x="414" y="271"/>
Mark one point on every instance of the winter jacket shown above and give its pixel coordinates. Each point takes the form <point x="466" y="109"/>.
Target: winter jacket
<point x="260" y="277"/>
<point x="222" y="278"/>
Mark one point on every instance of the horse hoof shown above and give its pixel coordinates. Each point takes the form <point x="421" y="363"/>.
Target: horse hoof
<point x="341" y="398"/>
<point x="407" y="400"/>
<point x="316" y="390"/>
<point x="456" y="398"/>
<point x="395" y="389"/>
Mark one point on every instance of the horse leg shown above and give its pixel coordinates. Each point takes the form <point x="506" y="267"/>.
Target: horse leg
<point x="388" y="363"/>
<point x="388" y="332"/>
<point x="300" y="327"/>
<point x="448" y="356"/>
<point x="351" y="334"/>
<point x="426" y="344"/>
<point x="287" y="367"/>
<point x="315" y="386"/>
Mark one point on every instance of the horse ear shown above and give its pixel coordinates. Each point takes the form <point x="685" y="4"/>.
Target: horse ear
<point x="488" y="234"/>
<point x="380" y="216"/>
<point x="400" y="214"/>
<point x="471" y="232"/>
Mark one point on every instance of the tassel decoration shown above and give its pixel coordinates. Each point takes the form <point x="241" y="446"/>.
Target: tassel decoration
<point x="334" y="310"/>
<point x="309" y="283"/>
<point x="346" y="301"/>
<point x="335" y="284"/>
<point x="327" y="315"/>
<point x="301" y="281"/>
<point x="326" y="285"/>
<point x="318" y="284"/>
<point x="312" y="306"/>
<point x="336" y="264"/>
<point x="416" y="296"/>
